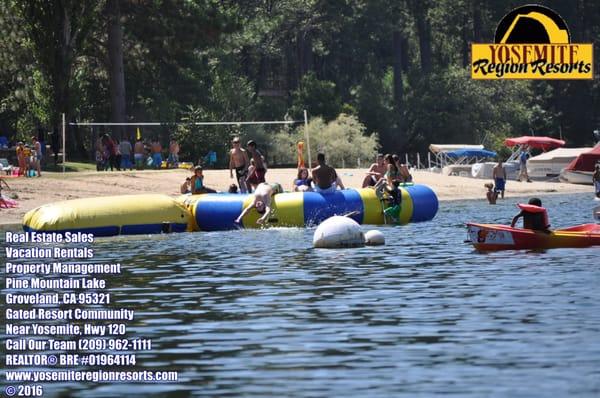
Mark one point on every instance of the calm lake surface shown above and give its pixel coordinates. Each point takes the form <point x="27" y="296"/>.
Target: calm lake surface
<point x="263" y="314"/>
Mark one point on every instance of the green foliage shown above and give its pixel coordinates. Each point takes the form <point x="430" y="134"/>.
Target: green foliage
<point x="202" y="60"/>
<point x="318" y="97"/>
<point x="449" y="107"/>
<point x="343" y="141"/>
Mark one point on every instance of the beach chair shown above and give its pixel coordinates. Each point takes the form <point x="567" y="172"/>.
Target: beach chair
<point x="5" y="166"/>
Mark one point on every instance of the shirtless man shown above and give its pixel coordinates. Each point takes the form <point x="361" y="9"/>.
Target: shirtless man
<point x="238" y="160"/>
<point x="261" y="201"/>
<point x="138" y="154"/>
<point x="324" y="176"/>
<point x="258" y="175"/>
<point x="375" y="173"/>
<point x="499" y="176"/>
<point x="156" y="154"/>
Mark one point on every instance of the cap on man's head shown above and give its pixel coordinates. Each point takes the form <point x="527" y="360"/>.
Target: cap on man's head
<point x="251" y="143"/>
<point x="198" y="168"/>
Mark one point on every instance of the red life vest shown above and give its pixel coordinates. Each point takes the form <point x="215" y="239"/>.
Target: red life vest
<point x="535" y="210"/>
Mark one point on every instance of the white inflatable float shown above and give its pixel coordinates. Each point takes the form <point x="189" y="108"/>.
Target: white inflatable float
<point x="338" y="231"/>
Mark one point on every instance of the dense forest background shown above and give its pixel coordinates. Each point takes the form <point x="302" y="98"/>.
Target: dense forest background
<point x="398" y="71"/>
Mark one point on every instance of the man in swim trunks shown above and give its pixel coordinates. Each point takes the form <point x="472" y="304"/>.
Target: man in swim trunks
<point x="499" y="175"/>
<point x="156" y="154"/>
<point x="258" y="175"/>
<point x="138" y="154"/>
<point x="261" y="201"/>
<point x="324" y="177"/>
<point x="238" y="160"/>
<point x="375" y="173"/>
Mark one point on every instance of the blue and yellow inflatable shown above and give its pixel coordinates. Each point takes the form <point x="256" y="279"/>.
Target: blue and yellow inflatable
<point x="147" y="214"/>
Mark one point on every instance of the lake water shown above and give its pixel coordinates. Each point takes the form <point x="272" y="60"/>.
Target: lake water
<point x="263" y="314"/>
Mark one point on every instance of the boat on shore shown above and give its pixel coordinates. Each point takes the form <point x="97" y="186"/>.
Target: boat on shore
<point x="488" y="237"/>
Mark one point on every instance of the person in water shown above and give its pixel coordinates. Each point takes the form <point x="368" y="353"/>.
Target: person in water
<point x="535" y="217"/>
<point x="197" y="182"/>
<point x="491" y="195"/>
<point x="302" y="182"/>
<point x="261" y="201"/>
<point x="596" y="180"/>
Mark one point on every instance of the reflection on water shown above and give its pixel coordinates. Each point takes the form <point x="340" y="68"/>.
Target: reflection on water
<point x="262" y="314"/>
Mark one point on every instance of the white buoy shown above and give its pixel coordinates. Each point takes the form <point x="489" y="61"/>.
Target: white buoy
<point x="374" y="238"/>
<point x="338" y="231"/>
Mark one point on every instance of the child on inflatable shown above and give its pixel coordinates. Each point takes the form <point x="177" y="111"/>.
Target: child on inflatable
<point x="535" y="217"/>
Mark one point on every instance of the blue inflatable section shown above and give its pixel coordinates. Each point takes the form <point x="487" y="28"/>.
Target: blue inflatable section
<point x="319" y="207"/>
<point x="425" y="202"/>
<point x="216" y="212"/>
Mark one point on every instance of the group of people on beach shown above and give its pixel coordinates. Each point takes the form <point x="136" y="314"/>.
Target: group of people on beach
<point x="121" y="155"/>
<point x="30" y="158"/>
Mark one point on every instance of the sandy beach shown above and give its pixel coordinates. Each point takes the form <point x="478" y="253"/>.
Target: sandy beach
<point x="53" y="187"/>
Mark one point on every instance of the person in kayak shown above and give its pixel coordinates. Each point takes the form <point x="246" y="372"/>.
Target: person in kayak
<point x="535" y="217"/>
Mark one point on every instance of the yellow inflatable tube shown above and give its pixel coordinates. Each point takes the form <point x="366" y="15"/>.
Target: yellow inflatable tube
<point x="111" y="215"/>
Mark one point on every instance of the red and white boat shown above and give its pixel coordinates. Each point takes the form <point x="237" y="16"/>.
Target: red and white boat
<point x="580" y="170"/>
<point x="502" y="237"/>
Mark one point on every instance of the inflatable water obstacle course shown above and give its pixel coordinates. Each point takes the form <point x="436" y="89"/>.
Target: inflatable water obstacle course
<point x="156" y="213"/>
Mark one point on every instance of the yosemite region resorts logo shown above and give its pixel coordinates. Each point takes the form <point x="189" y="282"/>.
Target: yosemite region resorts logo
<point x="532" y="42"/>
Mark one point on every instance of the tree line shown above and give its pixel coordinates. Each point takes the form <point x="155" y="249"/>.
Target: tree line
<point x="399" y="69"/>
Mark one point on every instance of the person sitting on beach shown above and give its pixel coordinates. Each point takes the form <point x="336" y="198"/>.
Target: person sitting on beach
<point x="596" y="179"/>
<point x="302" y="182"/>
<point x="375" y="173"/>
<point x="186" y="187"/>
<point x="535" y="217"/>
<point x="499" y="176"/>
<point x="233" y="188"/>
<point x="491" y="195"/>
<point x="257" y="176"/>
<point x="261" y="201"/>
<point x="238" y="160"/>
<point x="325" y="179"/>
<point x="197" y="182"/>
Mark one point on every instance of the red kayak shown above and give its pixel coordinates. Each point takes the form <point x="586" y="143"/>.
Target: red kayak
<point x="503" y="237"/>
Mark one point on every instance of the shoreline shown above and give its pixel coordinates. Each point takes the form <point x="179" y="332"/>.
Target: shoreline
<point x="55" y="186"/>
